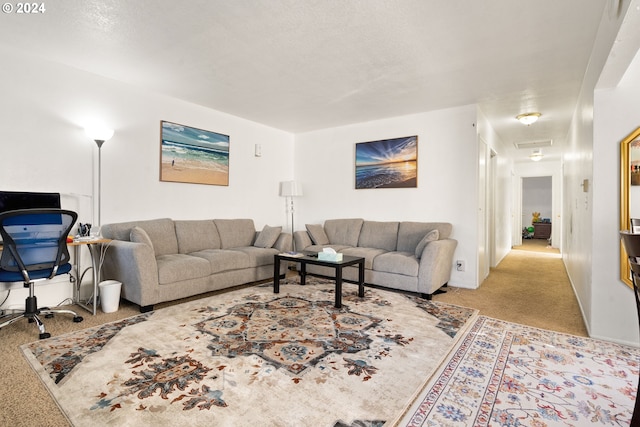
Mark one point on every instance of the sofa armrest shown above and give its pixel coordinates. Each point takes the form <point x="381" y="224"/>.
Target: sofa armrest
<point x="283" y="244"/>
<point x="133" y="264"/>
<point x="302" y="240"/>
<point x="436" y="263"/>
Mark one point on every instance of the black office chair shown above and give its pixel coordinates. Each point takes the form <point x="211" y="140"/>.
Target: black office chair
<point x="35" y="249"/>
<point x="631" y="243"/>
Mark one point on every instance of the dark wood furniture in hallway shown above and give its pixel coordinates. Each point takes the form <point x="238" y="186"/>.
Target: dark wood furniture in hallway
<point x="541" y="230"/>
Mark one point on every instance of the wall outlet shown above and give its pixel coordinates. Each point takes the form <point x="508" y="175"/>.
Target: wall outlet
<point x="460" y="265"/>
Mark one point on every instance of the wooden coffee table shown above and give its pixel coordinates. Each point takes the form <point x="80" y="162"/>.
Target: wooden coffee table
<point x="304" y="258"/>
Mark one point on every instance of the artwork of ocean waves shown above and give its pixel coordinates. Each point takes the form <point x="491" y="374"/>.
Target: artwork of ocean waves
<point x="189" y="147"/>
<point x="386" y="175"/>
<point x="389" y="163"/>
<point x="186" y="152"/>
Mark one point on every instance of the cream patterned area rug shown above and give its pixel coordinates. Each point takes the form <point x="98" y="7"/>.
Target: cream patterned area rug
<point x="250" y="357"/>
<point x="505" y="374"/>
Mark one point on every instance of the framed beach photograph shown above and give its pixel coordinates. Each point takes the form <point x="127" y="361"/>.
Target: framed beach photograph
<point x="193" y="155"/>
<point x="388" y="163"/>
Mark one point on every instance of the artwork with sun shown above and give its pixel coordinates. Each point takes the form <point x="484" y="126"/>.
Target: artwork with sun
<point x="389" y="163"/>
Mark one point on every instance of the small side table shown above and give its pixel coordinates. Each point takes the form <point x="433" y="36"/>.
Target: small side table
<point x="542" y="230"/>
<point x="94" y="247"/>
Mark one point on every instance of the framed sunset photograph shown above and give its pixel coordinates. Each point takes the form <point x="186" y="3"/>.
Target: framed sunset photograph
<point x="388" y="163"/>
<point x="193" y="155"/>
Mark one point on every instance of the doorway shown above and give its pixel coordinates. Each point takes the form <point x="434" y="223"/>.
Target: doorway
<point x="537" y="203"/>
<point x="487" y="165"/>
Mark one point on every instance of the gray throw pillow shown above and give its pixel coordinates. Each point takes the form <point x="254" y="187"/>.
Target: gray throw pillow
<point x="317" y="234"/>
<point x="430" y="237"/>
<point x="267" y="237"/>
<point x="138" y="235"/>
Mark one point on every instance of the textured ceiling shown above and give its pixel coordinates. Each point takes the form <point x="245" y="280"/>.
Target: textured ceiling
<point x="301" y="65"/>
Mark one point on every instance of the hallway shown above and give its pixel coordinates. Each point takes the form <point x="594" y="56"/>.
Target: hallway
<point x="530" y="286"/>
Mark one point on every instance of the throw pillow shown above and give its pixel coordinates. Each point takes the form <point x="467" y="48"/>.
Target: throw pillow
<point x="267" y="237"/>
<point x="318" y="236"/>
<point x="138" y="235"/>
<point x="430" y="237"/>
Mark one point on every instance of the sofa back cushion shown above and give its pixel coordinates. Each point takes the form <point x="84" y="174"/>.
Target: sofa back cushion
<point x="379" y="235"/>
<point x="343" y="231"/>
<point x="161" y="232"/>
<point x="317" y="234"/>
<point x="411" y="233"/>
<point x="235" y="233"/>
<point x="431" y="236"/>
<point x="267" y="237"/>
<point x="197" y="235"/>
<point x="138" y="235"/>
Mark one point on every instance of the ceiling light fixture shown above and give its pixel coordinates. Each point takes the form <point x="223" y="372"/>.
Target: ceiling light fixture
<point x="536" y="155"/>
<point x="528" y="118"/>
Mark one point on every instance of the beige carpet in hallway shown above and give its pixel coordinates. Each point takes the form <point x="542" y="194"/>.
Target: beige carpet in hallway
<point x="529" y="286"/>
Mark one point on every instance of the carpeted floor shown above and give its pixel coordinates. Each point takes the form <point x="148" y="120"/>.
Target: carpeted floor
<point x="506" y="294"/>
<point x="529" y="286"/>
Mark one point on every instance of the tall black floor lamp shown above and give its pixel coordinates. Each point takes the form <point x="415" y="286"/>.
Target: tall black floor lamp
<point x="99" y="134"/>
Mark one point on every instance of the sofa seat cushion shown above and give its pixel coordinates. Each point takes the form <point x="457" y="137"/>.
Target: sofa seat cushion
<point x="177" y="267"/>
<point x="257" y="256"/>
<point x="397" y="262"/>
<point x="369" y="254"/>
<point x="223" y="259"/>
<point x="319" y="248"/>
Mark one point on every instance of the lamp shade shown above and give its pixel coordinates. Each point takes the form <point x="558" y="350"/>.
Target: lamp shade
<point x="290" y="189"/>
<point x="98" y="133"/>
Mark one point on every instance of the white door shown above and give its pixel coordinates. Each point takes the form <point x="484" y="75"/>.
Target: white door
<point x="483" y="256"/>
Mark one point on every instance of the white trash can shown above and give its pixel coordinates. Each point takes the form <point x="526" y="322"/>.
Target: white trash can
<point x="110" y="295"/>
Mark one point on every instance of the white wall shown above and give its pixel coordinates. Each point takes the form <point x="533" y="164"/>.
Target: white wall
<point x="536" y="197"/>
<point x="500" y="213"/>
<point x="617" y="114"/>
<point x="447" y="170"/>
<point x="44" y="107"/>
<point x="590" y="219"/>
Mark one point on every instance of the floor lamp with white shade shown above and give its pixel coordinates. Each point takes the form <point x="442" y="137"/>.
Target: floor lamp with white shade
<point x="99" y="134"/>
<point x="291" y="189"/>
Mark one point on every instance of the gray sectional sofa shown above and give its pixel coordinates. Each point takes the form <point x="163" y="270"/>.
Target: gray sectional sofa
<point x="163" y="259"/>
<point x="410" y="256"/>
